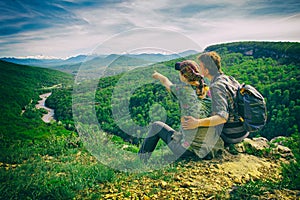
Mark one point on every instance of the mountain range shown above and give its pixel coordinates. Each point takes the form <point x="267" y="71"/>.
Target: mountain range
<point x="72" y="64"/>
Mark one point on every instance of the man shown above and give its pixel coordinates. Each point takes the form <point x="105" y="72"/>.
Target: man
<point x="224" y="116"/>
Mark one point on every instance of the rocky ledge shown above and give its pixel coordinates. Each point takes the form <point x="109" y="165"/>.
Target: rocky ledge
<point x="255" y="161"/>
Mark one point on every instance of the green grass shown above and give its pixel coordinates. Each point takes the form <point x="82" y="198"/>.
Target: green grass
<point x="56" y="168"/>
<point x="253" y="190"/>
<point x="59" y="167"/>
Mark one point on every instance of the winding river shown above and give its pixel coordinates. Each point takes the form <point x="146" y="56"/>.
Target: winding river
<point x="41" y="104"/>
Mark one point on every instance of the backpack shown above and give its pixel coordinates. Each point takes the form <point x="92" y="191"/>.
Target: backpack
<point x="251" y="107"/>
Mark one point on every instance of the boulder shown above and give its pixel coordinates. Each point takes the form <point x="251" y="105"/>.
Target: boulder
<point x="261" y="146"/>
<point x="283" y="152"/>
<point x="256" y="145"/>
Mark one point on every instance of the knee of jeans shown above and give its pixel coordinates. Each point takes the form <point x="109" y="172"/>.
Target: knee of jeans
<point x="156" y="126"/>
<point x="158" y="123"/>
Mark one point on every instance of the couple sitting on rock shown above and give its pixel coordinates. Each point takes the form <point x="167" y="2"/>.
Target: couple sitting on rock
<point x="208" y="116"/>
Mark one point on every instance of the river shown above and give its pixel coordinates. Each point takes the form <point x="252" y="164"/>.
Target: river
<point x="41" y="104"/>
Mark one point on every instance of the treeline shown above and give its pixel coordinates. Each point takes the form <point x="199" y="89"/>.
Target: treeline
<point x="283" y="52"/>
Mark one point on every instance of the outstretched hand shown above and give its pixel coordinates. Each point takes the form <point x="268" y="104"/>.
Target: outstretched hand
<point x="164" y="80"/>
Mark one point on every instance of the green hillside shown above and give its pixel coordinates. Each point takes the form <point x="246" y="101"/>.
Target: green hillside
<point x="20" y="87"/>
<point x="28" y="145"/>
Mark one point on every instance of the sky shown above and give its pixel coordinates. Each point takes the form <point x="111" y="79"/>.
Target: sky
<point x="61" y="29"/>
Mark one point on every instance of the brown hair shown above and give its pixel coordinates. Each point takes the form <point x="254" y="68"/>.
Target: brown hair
<point x="190" y="70"/>
<point x="211" y="61"/>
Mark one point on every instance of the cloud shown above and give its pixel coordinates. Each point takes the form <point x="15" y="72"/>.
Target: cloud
<point x="276" y="7"/>
<point x="23" y="16"/>
<point x="63" y="28"/>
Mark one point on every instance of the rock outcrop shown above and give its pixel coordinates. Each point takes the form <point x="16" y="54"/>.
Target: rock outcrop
<point x="262" y="147"/>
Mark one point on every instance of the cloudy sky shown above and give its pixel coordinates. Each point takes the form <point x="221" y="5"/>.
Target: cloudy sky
<point x="53" y="28"/>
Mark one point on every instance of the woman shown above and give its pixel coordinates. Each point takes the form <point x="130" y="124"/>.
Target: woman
<point x="186" y="143"/>
<point x="224" y="115"/>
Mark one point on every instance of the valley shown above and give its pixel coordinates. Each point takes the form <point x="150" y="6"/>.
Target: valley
<point x="49" y="116"/>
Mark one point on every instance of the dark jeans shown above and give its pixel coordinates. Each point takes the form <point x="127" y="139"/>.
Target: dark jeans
<point x="160" y="130"/>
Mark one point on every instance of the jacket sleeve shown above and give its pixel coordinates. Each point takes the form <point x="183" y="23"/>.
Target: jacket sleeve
<point x="219" y="100"/>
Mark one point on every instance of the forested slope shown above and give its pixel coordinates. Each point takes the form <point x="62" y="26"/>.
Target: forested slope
<point x="20" y="87"/>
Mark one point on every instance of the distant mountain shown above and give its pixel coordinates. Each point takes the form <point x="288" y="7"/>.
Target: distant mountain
<point x="47" y="63"/>
<point x="114" y="60"/>
<point x="188" y="53"/>
<point x="163" y="57"/>
<point x="32" y="61"/>
<point x="77" y="59"/>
